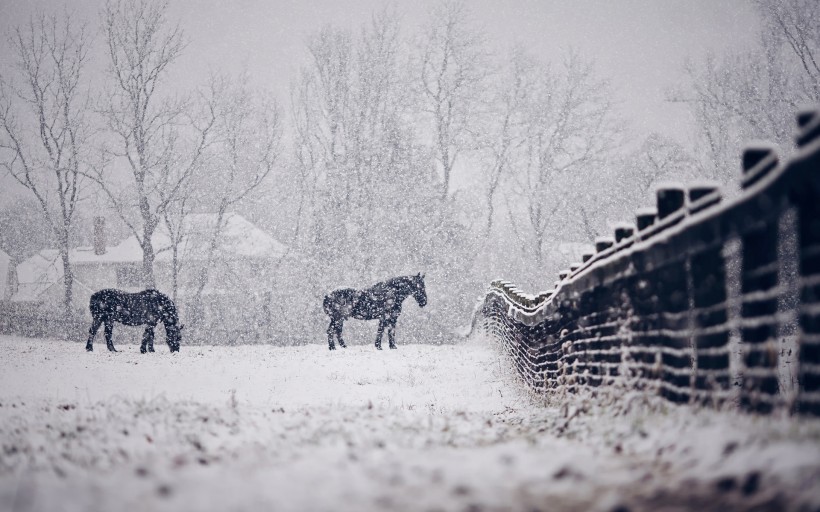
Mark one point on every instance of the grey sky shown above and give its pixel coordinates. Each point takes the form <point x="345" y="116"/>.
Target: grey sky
<point x="640" y="44"/>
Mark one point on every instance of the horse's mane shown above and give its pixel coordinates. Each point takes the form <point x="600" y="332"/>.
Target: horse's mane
<point x="400" y="280"/>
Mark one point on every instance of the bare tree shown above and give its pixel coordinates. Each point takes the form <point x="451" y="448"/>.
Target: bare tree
<point x="612" y="191"/>
<point x="569" y="128"/>
<point x="158" y="137"/>
<point x="352" y="137"/>
<point x="453" y="68"/>
<point x="174" y="218"/>
<point x="375" y="209"/>
<point x="657" y="158"/>
<point x="45" y="129"/>
<point x="24" y="228"/>
<point x="502" y="125"/>
<point x="245" y="149"/>
<point x="796" y="24"/>
<point x="307" y="152"/>
<point x="753" y="94"/>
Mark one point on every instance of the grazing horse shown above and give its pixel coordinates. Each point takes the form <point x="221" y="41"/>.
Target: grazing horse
<point x="141" y="308"/>
<point x="382" y="300"/>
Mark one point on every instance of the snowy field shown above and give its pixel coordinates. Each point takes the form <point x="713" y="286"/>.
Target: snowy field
<point x="420" y="428"/>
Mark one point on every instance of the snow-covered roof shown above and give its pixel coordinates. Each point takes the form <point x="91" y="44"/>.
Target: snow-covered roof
<point x="5" y="265"/>
<point x="37" y="274"/>
<point x="239" y="238"/>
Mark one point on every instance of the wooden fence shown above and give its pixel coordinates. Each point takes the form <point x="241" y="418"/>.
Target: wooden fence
<point x="660" y="304"/>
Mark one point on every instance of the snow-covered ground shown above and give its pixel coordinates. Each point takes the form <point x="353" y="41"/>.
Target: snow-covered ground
<point x="419" y="428"/>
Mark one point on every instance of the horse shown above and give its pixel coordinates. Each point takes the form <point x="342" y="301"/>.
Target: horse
<point x="142" y="308"/>
<point x="381" y="301"/>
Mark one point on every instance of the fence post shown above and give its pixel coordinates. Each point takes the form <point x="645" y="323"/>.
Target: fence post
<point x="673" y="304"/>
<point x="623" y="231"/>
<point x="643" y="319"/>
<point x="808" y="211"/>
<point x="670" y="199"/>
<point x="808" y="400"/>
<point x="759" y="295"/>
<point x="645" y="217"/>
<point x="710" y="334"/>
<point x="603" y="243"/>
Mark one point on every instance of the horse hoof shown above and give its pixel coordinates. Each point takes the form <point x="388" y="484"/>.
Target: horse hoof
<point x="112" y="349"/>
<point x="142" y="350"/>
<point x="89" y="348"/>
<point x="378" y="348"/>
<point x="342" y="345"/>
<point x="331" y="347"/>
<point x="151" y="350"/>
<point x="393" y="347"/>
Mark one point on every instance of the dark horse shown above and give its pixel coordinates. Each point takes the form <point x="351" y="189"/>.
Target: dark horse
<point x="141" y="308"/>
<point x="382" y="300"/>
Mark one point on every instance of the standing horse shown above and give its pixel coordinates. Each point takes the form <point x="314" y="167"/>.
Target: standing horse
<point x="141" y="308"/>
<point x="382" y="300"/>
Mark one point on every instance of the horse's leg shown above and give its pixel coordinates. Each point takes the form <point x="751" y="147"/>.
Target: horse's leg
<point x="151" y="338"/>
<point x="109" y="331"/>
<point x="391" y="334"/>
<point x="379" y="334"/>
<point x="147" y="339"/>
<point x="340" y="325"/>
<point x="331" y="331"/>
<point x="95" y="325"/>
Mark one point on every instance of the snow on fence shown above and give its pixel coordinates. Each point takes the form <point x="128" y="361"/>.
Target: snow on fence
<point x="661" y="304"/>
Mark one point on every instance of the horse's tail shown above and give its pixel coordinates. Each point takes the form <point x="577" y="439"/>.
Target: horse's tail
<point x="326" y="305"/>
<point x="340" y="302"/>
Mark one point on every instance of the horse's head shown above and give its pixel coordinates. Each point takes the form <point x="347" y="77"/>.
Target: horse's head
<point x="170" y="318"/>
<point x="174" y="336"/>
<point x="419" y="293"/>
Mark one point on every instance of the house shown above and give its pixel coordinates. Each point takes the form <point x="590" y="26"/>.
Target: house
<point x="242" y="265"/>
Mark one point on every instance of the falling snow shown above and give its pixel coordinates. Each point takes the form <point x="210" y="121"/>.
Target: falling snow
<point x="419" y="428"/>
<point x="246" y="159"/>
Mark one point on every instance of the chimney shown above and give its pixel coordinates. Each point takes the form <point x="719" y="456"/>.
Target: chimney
<point x="99" y="235"/>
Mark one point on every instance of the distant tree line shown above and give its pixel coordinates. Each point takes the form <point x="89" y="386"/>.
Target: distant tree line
<point x="395" y="152"/>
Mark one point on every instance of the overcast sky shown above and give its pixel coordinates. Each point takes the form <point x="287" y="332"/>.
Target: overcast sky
<point x="640" y="44"/>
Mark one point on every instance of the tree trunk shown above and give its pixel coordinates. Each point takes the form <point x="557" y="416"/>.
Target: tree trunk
<point x="447" y="169"/>
<point x="175" y="271"/>
<point x="147" y="262"/>
<point x="490" y="213"/>
<point x="68" y="282"/>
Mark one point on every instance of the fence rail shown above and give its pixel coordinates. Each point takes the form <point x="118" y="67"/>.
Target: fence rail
<point x="660" y="304"/>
